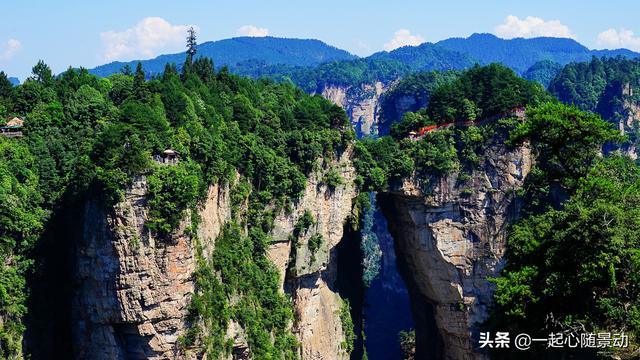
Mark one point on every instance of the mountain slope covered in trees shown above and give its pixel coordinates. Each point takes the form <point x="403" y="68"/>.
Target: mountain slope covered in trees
<point x="520" y="54"/>
<point x="235" y="51"/>
<point x="596" y="85"/>
<point x="299" y="59"/>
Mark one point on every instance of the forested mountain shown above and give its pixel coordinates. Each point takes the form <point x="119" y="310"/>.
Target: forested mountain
<point x="427" y="57"/>
<point x="520" y="54"/>
<point x="543" y="72"/>
<point x="232" y="52"/>
<point x="382" y="66"/>
<point x="312" y="63"/>
<point x="609" y="87"/>
<point x="596" y="85"/>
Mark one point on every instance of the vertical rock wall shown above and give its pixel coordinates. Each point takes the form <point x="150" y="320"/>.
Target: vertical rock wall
<point x="362" y="104"/>
<point x="312" y="280"/>
<point x="449" y="240"/>
<point x="132" y="290"/>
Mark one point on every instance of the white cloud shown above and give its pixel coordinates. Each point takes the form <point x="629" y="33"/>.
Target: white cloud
<point x="250" y="30"/>
<point x="403" y="37"/>
<point x="531" y="26"/>
<point x="623" y="38"/>
<point x="9" y="49"/>
<point x="144" y="40"/>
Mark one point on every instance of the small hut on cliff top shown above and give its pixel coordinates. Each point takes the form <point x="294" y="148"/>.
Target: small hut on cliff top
<point x="168" y="156"/>
<point x="13" y="128"/>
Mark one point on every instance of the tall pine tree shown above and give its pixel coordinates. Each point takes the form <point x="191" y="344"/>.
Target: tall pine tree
<point x="140" y="91"/>
<point x="191" y="52"/>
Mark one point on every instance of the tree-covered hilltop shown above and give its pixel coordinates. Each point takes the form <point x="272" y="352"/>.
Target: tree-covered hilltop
<point x="597" y="85"/>
<point x="483" y="92"/>
<point x="520" y="54"/>
<point x="235" y="51"/>
<point x="543" y="72"/>
<point x="609" y="87"/>
<point x="88" y="137"/>
<point x="427" y="56"/>
<point x="479" y="93"/>
<point x="410" y="94"/>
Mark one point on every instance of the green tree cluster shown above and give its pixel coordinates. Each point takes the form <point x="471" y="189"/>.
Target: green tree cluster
<point x="572" y="262"/>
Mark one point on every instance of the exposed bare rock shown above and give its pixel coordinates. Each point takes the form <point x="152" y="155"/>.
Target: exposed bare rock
<point x="361" y="103"/>
<point x="312" y="284"/>
<point x="450" y="239"/>
<point x="627" y="122"/>
<point x="133" y="290"/>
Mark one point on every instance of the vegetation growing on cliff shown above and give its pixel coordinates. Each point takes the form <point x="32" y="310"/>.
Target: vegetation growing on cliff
<point x="596" y="85"/>
<point x="417" y="88"/>
<point x="240" y="283"/>
<point x="348" y="328"/>
<point x="21" y="222"/>
<point x="479" y="93"/>
<point x="407" y="341"/>
<point x="572" y="260"/>
<point x="87" y="137"/>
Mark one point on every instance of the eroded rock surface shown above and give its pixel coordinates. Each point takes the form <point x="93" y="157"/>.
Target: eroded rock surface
<point x="311" y="281"/>
<point x="361" y="103"/>
<point x="450" y="238"/>
<point x="133" y="290"/>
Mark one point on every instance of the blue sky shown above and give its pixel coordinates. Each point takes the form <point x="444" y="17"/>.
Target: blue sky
<point x="86" y="33"/>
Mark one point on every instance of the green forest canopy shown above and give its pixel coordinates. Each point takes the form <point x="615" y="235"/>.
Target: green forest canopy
<point x="89" y="136"/>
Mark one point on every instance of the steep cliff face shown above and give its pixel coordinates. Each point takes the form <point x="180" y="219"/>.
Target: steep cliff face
<point x="362" y="104"/>
<point x="311" y="279"/>
<point x="449" y="239"/>
<point x="133" y="290"/>
<point x="629" y="120"/>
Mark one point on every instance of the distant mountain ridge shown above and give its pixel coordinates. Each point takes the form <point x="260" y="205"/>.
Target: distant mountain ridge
<point x="230" y="52"/>
<point x="306" y="60"/>
<point x="520" y="54"/>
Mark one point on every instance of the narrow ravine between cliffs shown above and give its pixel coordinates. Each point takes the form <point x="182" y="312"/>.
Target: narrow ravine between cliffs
<point x="386" y="310"/>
